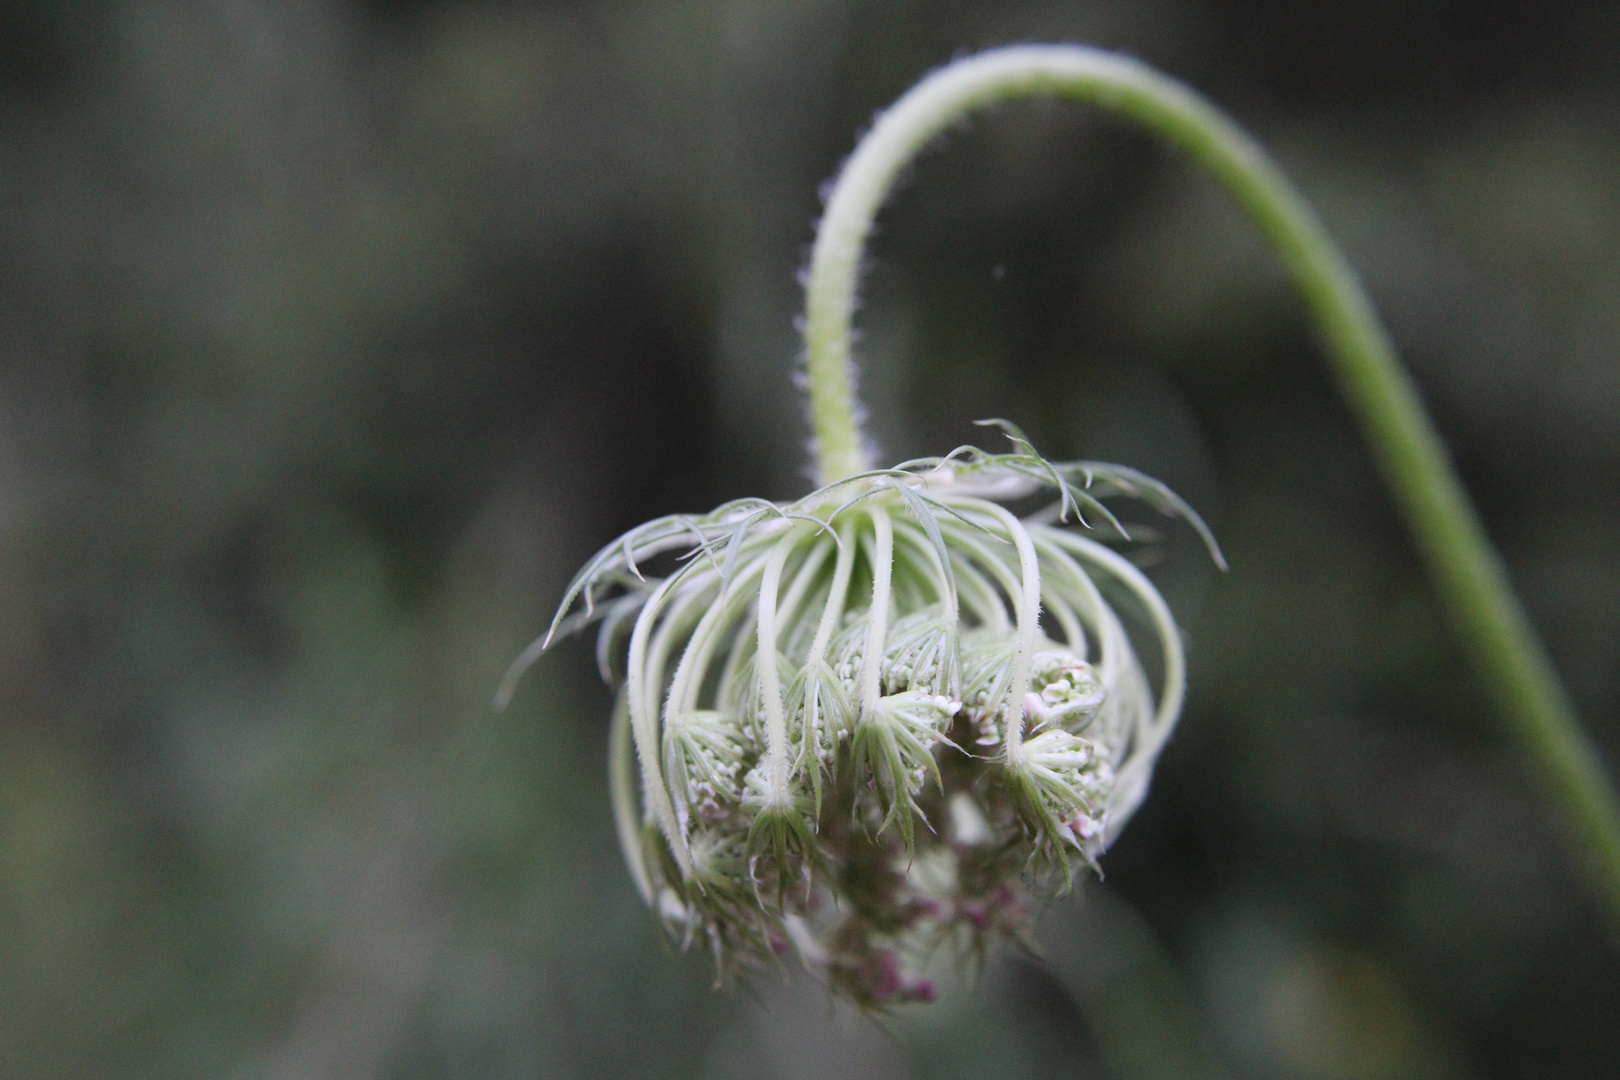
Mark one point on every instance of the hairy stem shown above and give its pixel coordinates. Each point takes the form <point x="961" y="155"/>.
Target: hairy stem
<point x="1466" y="570"/>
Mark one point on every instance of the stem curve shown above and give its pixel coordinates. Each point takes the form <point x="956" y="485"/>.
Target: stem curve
<point x="1466" y="571"/>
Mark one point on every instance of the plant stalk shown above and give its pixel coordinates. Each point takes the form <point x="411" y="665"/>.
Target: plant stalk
<point x="1466" y="571"/>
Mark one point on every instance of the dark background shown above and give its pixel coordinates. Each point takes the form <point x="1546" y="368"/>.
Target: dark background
<point x="334" y="336"/>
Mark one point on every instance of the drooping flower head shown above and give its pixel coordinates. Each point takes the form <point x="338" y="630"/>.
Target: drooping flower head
<point x="870" y="724"/>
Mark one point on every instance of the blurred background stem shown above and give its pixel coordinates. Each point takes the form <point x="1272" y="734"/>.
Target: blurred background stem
<point x="1462" y="563"/>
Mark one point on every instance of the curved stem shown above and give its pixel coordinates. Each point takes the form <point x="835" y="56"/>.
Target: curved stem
<point x="1466" y="571"/>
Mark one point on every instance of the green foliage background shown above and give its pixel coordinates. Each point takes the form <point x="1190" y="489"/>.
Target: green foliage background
<point x="333" y="336"/>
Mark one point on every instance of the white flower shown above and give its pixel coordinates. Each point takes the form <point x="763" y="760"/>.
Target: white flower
<point x="809" y="682"/>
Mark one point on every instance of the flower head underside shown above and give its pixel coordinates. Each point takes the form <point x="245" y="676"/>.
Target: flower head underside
<point x="869" y="723"/>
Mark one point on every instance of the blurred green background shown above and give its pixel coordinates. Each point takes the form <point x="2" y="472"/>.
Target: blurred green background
<point x="335" y="335"/>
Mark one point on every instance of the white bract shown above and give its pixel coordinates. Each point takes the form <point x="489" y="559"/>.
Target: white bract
<point x="868" y="722"/>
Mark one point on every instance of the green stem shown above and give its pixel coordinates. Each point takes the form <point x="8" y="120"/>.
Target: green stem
<point x="1466" y="571"/>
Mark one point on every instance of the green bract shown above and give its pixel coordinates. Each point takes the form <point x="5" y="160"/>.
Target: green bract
<point x="866" y="723"/>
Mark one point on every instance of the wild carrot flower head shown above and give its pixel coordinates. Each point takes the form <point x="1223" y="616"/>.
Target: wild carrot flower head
<point x="869" y="724"/>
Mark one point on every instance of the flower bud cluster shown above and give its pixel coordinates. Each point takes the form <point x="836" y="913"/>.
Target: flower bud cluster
<point x="869" y="726"/>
